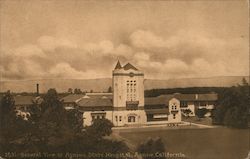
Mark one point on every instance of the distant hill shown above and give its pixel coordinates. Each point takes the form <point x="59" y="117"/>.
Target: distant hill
<point x="102" y="84"/>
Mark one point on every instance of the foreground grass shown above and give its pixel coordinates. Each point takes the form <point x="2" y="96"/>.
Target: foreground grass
<point x="216" y="143"/>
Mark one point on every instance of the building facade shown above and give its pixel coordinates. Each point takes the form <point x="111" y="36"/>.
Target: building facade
<point x="127" y="105"/>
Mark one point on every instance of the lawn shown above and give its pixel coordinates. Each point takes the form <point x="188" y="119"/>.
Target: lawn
<point x="196" y="120"/>
<point x="215" y="143"/>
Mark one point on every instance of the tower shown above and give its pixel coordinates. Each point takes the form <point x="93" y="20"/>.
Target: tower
<point x="128" y="95"/>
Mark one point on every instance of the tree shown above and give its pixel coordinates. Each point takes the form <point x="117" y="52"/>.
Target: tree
<point x="100" y="128"/>
<point x="233" y="106"/>
<point x="152" y="147"/>
<point x="201" y="112"/>
<point x="75" y="120"/>
<point x="187" y="112"/>
<point x="52" y="124"/>
<point x="236" y="117"/>
<point x="12" y="127"/>
<point x="77" y="91"/>
<point x="70" y="90"/>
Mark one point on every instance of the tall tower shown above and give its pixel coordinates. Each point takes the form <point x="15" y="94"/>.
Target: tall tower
<point x="128" y="86"/>
<point x="128" y="94"/>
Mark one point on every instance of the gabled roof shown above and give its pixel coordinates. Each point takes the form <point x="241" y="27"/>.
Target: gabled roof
<point x="160" y="100"/>
<point x="118" y="65"/>
<point x="72" y="98"/>
<point x="129" y="66"/>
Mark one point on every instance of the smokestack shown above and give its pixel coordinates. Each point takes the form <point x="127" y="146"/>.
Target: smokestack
<point x="37" y="89"/>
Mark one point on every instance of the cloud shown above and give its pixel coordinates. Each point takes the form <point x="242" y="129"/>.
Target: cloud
<point x="28" y="51"/>
<point x="183" y="54"/>
<point x="49" y="43"/>
<point x="146" y="39"/>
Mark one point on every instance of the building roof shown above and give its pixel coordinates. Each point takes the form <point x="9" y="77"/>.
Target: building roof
<point x="160" y="100"/>
<point x="129" y="66"/>
<point x="100" y="95"/>
<point x="118" y="65"/>
<point x="95" y="102"/>
<point x="193" y="97"/>
<point x="163" y="99"/>
<point x="157" y="111"/>
<point x="24" y="100"/>
<point x="72" y="98"/>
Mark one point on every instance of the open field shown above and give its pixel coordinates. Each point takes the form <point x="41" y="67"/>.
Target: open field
<point x="215" y="143"/>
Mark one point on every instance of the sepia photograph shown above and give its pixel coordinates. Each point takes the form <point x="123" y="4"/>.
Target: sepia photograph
<point x="124" y="79"/>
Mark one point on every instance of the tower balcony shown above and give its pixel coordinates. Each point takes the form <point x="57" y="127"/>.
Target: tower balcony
<point x="132" y="105"/>
<point x="174" y="111"/>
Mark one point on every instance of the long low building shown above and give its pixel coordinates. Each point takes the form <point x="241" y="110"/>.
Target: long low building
<point x="128" y="106"/>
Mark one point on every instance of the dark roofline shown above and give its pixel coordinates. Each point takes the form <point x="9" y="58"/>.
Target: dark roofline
<point x="118" y="65"/>
<point x="129" y="66"/>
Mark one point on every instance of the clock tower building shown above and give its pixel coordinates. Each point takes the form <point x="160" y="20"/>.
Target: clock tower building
<point x="128" y="95"/>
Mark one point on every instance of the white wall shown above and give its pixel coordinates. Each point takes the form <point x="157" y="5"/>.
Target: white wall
<point x="174" y="102"/>
<point x="87" y="118"/>
<point x="120" y="86"/>
<point x="140" y="117"/>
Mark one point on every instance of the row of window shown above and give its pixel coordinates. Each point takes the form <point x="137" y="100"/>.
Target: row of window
<point x="196" y="103"/>
<point x="98" y="117"/>
<point x="131" y="119"/>
<point x="174" y="107"/>
<point x="131" y="90"/>
<point x="116" y="118"/>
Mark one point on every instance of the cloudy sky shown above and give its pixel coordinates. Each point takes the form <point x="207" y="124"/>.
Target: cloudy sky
<point x="84" y="39"/>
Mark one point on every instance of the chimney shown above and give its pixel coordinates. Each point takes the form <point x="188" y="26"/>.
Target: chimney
<point x="37" y="89"/>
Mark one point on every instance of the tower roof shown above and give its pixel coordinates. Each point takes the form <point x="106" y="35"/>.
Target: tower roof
<point x="118" y="65"/>
<point x="129" y="66"/>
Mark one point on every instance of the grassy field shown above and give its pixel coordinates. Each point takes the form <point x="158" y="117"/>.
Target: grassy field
<point x="204" y="121"/>
<point x="215" y="143"/>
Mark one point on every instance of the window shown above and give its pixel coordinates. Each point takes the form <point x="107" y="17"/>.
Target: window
<point x="116" y="118"/>
<point x="184" y="104"/>
<point x="131" y="119"/>
<point x="174" y="116"/>
<point x="120" y="118"/>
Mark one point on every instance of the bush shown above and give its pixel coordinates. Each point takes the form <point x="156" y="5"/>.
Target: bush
<point x="152" y="147"/>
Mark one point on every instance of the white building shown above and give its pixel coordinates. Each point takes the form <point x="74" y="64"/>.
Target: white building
<point x="127" y="106"/>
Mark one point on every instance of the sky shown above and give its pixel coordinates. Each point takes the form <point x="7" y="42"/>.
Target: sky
<point x="77" y="39"/>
